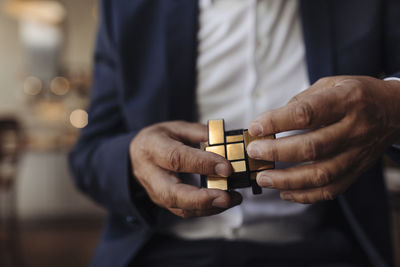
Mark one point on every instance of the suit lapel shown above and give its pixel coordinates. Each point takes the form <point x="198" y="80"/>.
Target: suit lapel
<point x="317" y="18"/>
<point x="181" y="36"/>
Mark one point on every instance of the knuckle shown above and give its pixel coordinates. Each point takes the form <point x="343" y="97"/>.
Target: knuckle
<point x="303" y="114"/>
<point x="310" y="149"/>
<point x="176" y="127"/>
<point x="137" y="147"/>
<point x="357" y="93"/>
<point x="163" y="200"/>
<point x="286" y="184"/>
<point x="167" y="200"/>
<point x="323" y="80"/>
<point x="174" y="159"/>
<point x="175" y="124"/>
<point x="269" y="120"/>
<point x="273" y="123"/>
<point x="272" y="151"/>
<point x="204" y="166"/>
<point x="321" y="177"/>
<point x="203" y="201"/>
<point x="364" y="130"/>
<point x="327" y="194"/>
<point x="163" y="126"/>
<point x="294" y="99"/>
<point x="141" y="150"/>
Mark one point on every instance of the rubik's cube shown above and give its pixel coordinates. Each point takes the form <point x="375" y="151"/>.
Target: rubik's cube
<point x="232" y="145"/>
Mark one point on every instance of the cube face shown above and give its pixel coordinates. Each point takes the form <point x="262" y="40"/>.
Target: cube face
<point x="232" y="145"/>
<point x="216" y="182"/>
<point x="234" y="138"/>
<point x="239" y="166"/>
<point x="216" y="132"/>
<point x="220" y="150"/>
<point x="235" y="151"/>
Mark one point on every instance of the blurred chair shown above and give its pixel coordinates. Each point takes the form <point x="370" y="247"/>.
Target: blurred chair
<point x="10" y="148"/>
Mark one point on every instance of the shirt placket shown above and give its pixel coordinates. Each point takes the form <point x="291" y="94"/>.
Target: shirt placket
<point x="251" y="90"/>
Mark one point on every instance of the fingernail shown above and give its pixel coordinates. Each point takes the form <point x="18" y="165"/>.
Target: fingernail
<point x="253" y="151"/>
<point x="255" y="129"/>
<point x="287" y="196"/>
<point x="222" y="169"/>
<point x="220" y="202"/>
<point x="265" y="181"/>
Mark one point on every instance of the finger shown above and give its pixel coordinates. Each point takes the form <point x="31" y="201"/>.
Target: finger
<point x="175" y="156"/>
<point x="320" y="85"/>
<point x="188" y="132"/>
<point x="312" y="111"/>
<point x="309" y="146"/>
<point x="236" y="199"/>
<point x="185" y="214"/>
<point x="313" y="175"/>
<point x="314" y="195"/>
<point x="155" y="181"/>
<point x="189" y="197"/>
<point x="167" y="191"/>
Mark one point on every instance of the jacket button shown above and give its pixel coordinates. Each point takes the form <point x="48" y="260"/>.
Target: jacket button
<point x="131" y="220"/>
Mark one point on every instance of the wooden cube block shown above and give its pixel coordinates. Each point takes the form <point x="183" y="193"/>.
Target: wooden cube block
<point x="232" y="145"/>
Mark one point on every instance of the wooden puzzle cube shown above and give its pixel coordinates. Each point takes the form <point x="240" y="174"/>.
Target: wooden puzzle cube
<point x="232" y="145"/>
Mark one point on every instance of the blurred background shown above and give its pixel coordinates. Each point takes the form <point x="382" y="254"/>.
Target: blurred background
<point x="45" y="75"/>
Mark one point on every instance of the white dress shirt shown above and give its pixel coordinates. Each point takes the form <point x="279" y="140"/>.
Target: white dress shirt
<point x="251" y="59"/>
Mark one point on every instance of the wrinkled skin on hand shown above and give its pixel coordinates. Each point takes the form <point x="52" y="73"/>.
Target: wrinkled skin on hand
<point x="161" y="151"/>
<point x="352" y="120"/>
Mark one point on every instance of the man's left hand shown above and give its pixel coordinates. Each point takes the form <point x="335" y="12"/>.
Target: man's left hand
<point x="352" y="120"/>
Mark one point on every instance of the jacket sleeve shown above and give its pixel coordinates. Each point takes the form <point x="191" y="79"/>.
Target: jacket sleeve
<point x="100" y="160"/>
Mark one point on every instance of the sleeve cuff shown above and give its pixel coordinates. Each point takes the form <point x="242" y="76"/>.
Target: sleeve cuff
<point x="126" y="195"/>
<point x="104" y="172"/>
<point x="392" y="79"/>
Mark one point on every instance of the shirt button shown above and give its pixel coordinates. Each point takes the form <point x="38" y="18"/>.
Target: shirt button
<point x="235" y="232"/>
<point x="261" y="42"/>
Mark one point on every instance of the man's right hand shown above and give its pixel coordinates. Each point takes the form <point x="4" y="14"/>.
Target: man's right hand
<point x="161" y="151"/>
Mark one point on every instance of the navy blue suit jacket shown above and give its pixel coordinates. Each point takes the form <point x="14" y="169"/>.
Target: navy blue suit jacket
<point x="145" y="73"/>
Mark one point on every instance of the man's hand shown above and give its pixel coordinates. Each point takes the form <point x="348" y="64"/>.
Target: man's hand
<point x="160" y="151"/>
<point x="352" y="120"/>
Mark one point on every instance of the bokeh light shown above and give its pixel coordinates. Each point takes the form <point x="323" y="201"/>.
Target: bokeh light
<point x="32" y="86"/>
<point x="59" y="86"/>
<point x="79" y="118"/>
